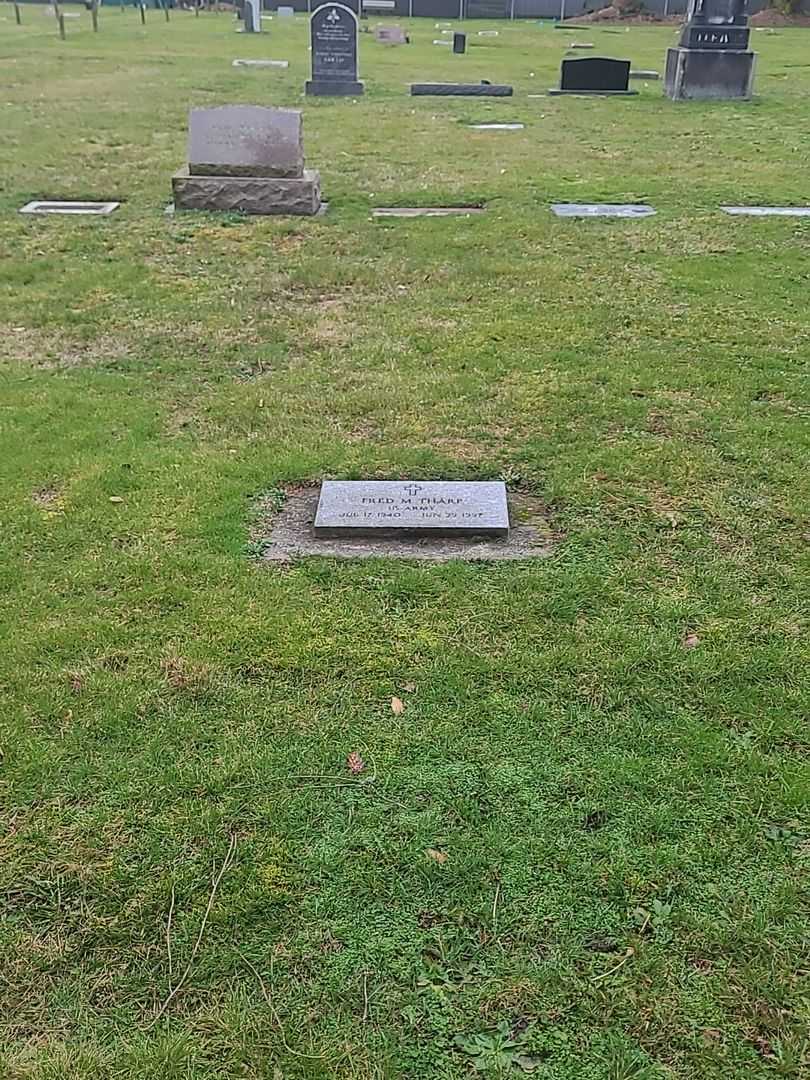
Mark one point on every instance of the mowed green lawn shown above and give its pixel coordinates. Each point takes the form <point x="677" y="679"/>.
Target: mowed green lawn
<point x="581" y="850"/>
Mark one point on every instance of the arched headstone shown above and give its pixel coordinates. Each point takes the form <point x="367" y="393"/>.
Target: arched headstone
<point x="333" y="32"/>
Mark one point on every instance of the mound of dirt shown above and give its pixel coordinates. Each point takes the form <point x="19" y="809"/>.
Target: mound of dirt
<point x="771" y="17"/>
<point x="615" y="14"/>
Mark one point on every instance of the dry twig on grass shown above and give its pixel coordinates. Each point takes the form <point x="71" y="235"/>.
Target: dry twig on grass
<point x="173" y="991"/>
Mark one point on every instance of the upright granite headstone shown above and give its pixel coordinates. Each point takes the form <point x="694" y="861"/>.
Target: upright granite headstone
<point x="246" y="158"/>
<point x="245" y="140"/>
<point x="253" y="16"/>
<point x="333" y="31"/>
<point x="594" y="75"/>
<point x="459" y="43"/>
<point x="390" y="35"/>
<point x="712" y="59"/>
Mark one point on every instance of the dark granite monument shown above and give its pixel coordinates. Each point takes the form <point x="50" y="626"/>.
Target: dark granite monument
<point x="712" y="59"/>
<point x="252" y="16"/>
<point x="594" y="75"/>
<point x="333" y="32"/>
<point x="459" y="43"/>
<point x="411" y="508"/>
<point x="482" y="89"/>
<point x="246" y="158"/>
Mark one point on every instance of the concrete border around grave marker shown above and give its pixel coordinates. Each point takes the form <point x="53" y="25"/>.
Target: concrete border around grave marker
<point x="286" y="535"/>
<point x="86" y="208"/>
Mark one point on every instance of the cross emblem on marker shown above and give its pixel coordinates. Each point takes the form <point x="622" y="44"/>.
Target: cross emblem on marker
<point x="332" y="16"/>
<point x="413" y="489"/>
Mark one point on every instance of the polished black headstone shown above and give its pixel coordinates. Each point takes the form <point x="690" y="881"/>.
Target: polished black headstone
<point x="716" y="24"/>
<point x="333" y="31"/>
<point x="459" y="43"/>
<point x="595" y="75"/>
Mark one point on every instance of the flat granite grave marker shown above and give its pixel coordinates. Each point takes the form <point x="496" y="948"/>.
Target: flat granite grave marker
<point x="482" y="89"/>
<point x="425" y="211"/>
<point x="594" y="75"/>
<point x="416" y="508"/>
<point x="333" y="33"/>
<point x="767" y="211"/>
<point x="623" y="210"/>
<point x="496" y="127"/>
<point x="261" y="63"/>
<point x="249" y="159"/>
<point x="49" y="206"/>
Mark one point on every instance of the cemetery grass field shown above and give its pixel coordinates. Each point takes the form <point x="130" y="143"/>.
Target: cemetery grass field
<point x="580" y="850"/>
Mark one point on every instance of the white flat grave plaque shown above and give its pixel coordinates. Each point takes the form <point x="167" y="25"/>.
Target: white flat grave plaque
<point x="496" y="127"/>
<point x="623" y="210"/>
<point x="425" y="211"/>
<point x="768" y="211"/>
<point x="45" y="206"/>
<point x="261" y="63"/>
<point x="426" y="508"/>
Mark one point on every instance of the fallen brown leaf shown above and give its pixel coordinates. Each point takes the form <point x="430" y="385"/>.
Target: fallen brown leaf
<point x="436" y="855"/>
<point x="690" y="641"/>
<point x="397" y="706"/>
<point x="409" y="687"/>
<point x="355" y="763"/>
<point x="763" y="1047"/>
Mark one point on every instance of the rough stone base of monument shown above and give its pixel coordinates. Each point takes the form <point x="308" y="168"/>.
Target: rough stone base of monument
<point x="248" y="194"/>
<point x="338" y="88"/>
<point x="460" y="90"/>
<point x="284" y="536"/>
<point x="708" y="74"/>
